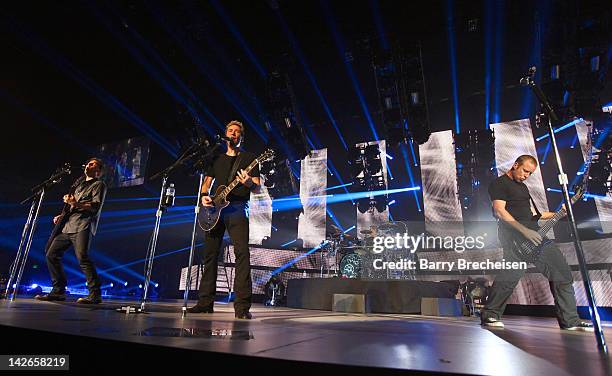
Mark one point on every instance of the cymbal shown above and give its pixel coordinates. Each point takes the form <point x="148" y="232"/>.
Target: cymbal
<point x="366" y="232"/>
<point x="388" y="226"/>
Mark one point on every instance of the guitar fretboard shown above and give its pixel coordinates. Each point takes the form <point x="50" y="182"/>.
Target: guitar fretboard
<point x="550" y="223"/>
<point x="236" y="181"/>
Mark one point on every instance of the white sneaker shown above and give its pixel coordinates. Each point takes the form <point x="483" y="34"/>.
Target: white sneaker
<point x="580" y="326"/>
<point x="490" y="322"/>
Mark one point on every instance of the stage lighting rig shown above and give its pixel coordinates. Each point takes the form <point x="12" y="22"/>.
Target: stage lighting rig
<point x="284" y="126"/>
<point x="278" y="178"/>
<point x="475" y="293"/>
<point x="575" y="62"/>
<point x="475" y="159"/>
<point x="275" y="291"/>
<point x="367" y="174"/>
<point x="600" y="171"/>
<point x="400" y="83"/>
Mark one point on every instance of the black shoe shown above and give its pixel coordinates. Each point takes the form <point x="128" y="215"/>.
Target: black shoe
<point x="51" y="297"/>
<point x="580" y="326"/>
<point x="245" y="315"/>
<point x="91" y="299"/>
<point x="200" y="309"/>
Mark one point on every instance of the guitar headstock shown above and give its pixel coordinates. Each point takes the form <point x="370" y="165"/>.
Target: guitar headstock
<point x="66" y="168"/>
<point x="578" y="193"/>
<point x="266" y="156"/>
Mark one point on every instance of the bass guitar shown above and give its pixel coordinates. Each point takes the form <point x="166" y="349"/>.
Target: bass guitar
<point x="530" y="252"/>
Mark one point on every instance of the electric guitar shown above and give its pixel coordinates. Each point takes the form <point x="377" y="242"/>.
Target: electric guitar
<point x="530" y="252"/>
<point x="65" y="213"/>
<point x="209" y="215"/>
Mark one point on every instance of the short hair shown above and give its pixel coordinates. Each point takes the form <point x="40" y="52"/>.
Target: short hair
<point x="100" y="162"/>
<point x="526" y="157"/>
<point x="235" y="122"/>
<point x="239" y="124"/>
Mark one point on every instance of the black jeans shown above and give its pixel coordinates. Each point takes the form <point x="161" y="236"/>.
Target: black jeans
<point x="234" y="219"/>
<point x="81" y="242"/>
<point x="554" y="267"/>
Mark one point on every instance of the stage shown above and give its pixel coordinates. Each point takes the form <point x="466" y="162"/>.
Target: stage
<point x="278" y="339"/>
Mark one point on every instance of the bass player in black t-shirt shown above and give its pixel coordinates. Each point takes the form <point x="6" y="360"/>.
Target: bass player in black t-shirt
<point x="518" y="221"/>
<point x="225" y="169"/>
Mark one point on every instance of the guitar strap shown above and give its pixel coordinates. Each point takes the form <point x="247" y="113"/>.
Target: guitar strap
<point x="234" y="169"/>
<point x="535" y="207"/>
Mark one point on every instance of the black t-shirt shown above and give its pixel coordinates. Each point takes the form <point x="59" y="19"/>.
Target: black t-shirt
<point x="516" y="195"/>
<point x="221" y="168"/>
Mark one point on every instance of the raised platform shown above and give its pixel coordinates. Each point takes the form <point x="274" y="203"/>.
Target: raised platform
<point x="384" y="296"/>
<point x="283" y="339"/>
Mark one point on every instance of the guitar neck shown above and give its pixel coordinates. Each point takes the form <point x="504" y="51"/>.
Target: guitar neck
<point x="236" y="181"/>
<point x="550" y="223"/>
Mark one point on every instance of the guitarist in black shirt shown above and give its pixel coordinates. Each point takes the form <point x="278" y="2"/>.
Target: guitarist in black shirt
<point x="225" y="169"/>
<point x="518" y="221"/>
<point x="76" y="226"/>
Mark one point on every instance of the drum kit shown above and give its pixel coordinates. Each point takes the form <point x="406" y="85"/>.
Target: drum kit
<point x="350" y="257"/>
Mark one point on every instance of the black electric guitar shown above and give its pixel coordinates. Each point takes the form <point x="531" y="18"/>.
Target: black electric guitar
<point x="530" y="252"/>
<point x="209" y="215"/>
<point x="64" y="214"/>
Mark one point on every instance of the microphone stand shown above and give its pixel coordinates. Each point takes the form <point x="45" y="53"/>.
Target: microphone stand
<point x="194" y="230"/>
<point x="188" y="155"/>
<point x="27" y="235"/>
<point x="563" y="180"/>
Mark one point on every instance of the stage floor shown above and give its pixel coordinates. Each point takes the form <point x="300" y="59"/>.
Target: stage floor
<point x="527" y="346"/>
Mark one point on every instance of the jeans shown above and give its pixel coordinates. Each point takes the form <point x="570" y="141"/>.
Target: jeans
<point x="553" y="266"/>
<point x="233" y="218"/>
<point x="81" y="242"/>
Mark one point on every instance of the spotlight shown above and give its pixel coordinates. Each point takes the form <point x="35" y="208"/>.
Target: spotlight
<point x="125" y="283"/>
<point x="475" y="293"/>
<point x="275" y="291"/>
<point x="363" y="205"/>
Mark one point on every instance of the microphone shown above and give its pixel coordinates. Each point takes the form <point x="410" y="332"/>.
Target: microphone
<point x="225" y="138"/>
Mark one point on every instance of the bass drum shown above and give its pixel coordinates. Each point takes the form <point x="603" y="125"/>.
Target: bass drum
<point x="350" y="266"/>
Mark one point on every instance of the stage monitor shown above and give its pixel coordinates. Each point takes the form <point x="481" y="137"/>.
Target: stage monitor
<point x="126" y="161"/>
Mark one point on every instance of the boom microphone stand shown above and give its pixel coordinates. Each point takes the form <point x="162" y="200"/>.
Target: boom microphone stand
<point x="189" y="155"/>
<point x="552" y="116"/>
<point x="27" y="234"/>
<point x="201" y="164"/>
<point x="192" y="248"/>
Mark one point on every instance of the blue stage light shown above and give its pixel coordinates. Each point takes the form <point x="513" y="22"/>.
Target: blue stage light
<point x="347" y="58"/>
<point x="557" y="130"/>
<point x="311" y="78"/>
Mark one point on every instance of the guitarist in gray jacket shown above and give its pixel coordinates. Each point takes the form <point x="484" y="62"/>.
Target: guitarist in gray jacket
<point x="76" y="227"/>
<point x="518" y="222"/>
<point x="225" y="169"/>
